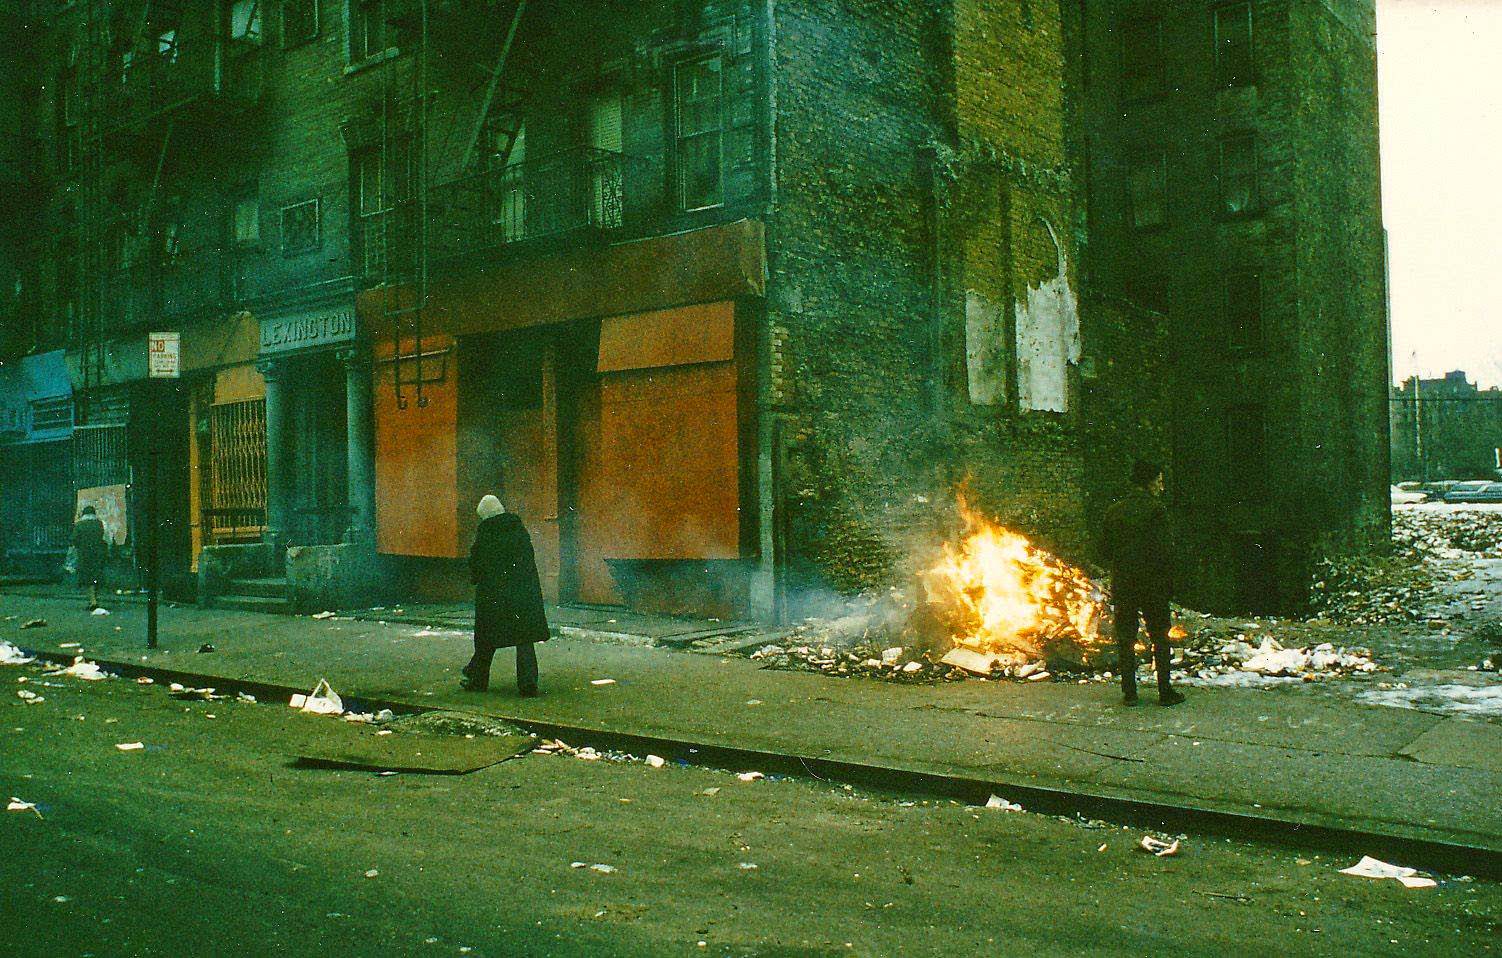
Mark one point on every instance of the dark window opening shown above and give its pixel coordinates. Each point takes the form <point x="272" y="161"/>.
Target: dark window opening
<point x="299" y="21"/>
<point x="1142" y="74"/>
<point x="300" y="228"/>
<point x="1233" y="45"/>
<point x="1147" y="187"/>
<point x="1238" y="175"/>
<point x="367" y="29"/>
<point x="1243" y="311"/>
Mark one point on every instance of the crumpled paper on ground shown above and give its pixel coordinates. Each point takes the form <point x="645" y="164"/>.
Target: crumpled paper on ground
<point x="1370" y="867"/>
<point x="323" y="700"/>
<point x="10" y="655"/>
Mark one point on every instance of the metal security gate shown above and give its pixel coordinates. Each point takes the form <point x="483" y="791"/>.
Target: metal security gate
<point x="236" y="510"/>
<point x="100" y="456"/>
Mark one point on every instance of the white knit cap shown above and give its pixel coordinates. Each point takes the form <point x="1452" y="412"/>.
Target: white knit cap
<point x="490" y="506"/>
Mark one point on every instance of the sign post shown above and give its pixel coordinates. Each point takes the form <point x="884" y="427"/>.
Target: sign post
<point x="163" y="361"/>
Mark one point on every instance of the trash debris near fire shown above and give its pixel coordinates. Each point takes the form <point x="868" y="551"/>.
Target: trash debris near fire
<point x="34" y="623"/>
<point x="82" y="669"/>
<point x="1158" y="846"/>
<point x="10" y="655"/>
<point x="16" y="805"/>
<point x="30" y="698"/>
<point x="323" y="700"/>
<point x="1370" y="867"/>
<point x="598" y="868"/>
<point x="996" y="801"/>
<point x="130" y="746"/>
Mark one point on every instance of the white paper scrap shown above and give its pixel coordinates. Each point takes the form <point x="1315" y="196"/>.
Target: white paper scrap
<point x="1370" y="867"/>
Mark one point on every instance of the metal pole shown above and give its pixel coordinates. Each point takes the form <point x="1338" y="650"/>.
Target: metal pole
<point x="153" y="552"/>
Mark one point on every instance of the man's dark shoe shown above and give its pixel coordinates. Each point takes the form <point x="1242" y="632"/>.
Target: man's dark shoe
<point x="469" y="683"/>
<point x="1170" y="697"/>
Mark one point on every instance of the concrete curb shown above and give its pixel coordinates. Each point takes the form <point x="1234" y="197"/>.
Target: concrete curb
<point x="1428" y="853"/>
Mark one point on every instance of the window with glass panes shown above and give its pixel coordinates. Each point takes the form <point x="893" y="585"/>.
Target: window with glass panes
<point x="299" y="21"/>
<point x="245" y="223"/>
<point x="367" y="29"/>
<point x="698" y="87"/>
<point x="300" y="228"/>
<point x="245" y="21"/>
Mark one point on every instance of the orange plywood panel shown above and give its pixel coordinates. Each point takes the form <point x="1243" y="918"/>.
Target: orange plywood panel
<point x="668" y="337"/>
<point x="596" y="505"/>
<point x="416" y="466"/>
<point x="670" y="463"/>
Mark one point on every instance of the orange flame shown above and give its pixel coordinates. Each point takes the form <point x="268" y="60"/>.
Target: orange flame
<point x="1000" y="594"/>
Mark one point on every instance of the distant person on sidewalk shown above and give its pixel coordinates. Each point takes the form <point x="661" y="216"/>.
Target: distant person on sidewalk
<point x="1139" y="551"/>
<point x="90" y="550"/>
<point x="508" y="598"/>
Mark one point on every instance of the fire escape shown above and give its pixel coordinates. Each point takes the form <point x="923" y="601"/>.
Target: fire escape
<point x="153" y="82"/>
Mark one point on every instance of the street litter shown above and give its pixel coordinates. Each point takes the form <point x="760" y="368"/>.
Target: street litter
<point x="68" y="645"/>
<point x="245" y="697"/>
<point x="601" y="869"/>
<point x="996" y="801"/>
<point x="16" y="805"/>
<point x="10" y="655"/>
<point x="750" y="776"/>
<point x="602" y="682"/>
<point x="33" y="623"/>
<point x="711" y="791"/>
<point x="30" y="698"/>
<point x="323" y="615"/>
<point x="1370" y="867"/>
<point x="206" y="648"/>
<point x="748" y="866"/>
<point x="323" y="700"/>
<point x="145" y="680"/>
<point x="1159" y="847"/>
<point x="100" y="611"/>
<point x="656" y="761"/>
<point x="130" y="746"/>
<point x="81" y="669"/>
<point x="371" y="873"/>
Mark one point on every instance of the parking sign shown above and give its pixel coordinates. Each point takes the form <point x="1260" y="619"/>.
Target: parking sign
<point x="164" y="355"/>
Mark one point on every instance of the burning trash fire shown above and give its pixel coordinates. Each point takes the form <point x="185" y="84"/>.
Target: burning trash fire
<point x="1004" y="598"/>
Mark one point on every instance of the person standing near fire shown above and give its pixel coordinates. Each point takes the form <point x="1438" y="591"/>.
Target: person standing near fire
<point x="508" y="598"/>
<point x="1139" y="551"/>
<point x="90" y="550"/>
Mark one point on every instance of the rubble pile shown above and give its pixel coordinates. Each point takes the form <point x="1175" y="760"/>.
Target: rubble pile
<point x="1449" y="534"/>
<point x="894" y="663"/>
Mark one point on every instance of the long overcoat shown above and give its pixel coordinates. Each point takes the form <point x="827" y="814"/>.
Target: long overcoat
<point x="508" y="593"/>
<point x="1138" y="547"/>
<point x="89" y="544"/>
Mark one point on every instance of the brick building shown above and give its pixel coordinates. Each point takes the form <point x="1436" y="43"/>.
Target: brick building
<point x="1234" y="188"/>
<point x="1445" y="428"/>
<point x="726" y="298"/>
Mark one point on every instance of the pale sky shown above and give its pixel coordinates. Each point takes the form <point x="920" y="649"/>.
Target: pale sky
<point x="1440" y="76"/>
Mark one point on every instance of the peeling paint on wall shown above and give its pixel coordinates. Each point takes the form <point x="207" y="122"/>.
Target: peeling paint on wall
<point x="985" y="349"/>
<point x="1048" y="338"/>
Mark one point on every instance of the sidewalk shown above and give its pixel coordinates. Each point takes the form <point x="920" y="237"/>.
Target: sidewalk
<point x="1320" y="762"/>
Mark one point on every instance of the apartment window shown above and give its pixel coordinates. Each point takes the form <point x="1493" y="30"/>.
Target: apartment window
<point x="245" y="21"/>
<point x="1238" y="175"/>
<point x="1233" y="45"/>
<point x="245" y="221"/>
<point x="299" y="21"/>
<point x="605" y="208"/>
<point x="509" y="155"/>
<point x="166" y="46"/>
<point x="699" y="112"/>
<point x="367" y="28"/>
<point x="300" y="228"/>
<point x="1142" y="59"/>
<point x="1147" y="187"/>
<point x="172" y="240"/>
<point x="1243" y="310"/>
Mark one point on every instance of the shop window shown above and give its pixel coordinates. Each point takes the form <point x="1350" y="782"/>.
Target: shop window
<point x="299" y="21"/>
<point x="245" y="221"/>
<point x="698" y="110"/>
<point x="1243" y="310"/>
<point x="1147" y="188"/>
<point x="1142" y="75"/>
<point x="245" y="21"/>
<point x="300" y="228"/>
<point x="1233" y="45"/>
<point x="1238" y="175"/>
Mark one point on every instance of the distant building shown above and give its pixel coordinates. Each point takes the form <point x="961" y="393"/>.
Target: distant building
<point x="1445" y="429"/>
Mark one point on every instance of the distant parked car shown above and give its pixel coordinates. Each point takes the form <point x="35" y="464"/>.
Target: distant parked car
<point x="1474" y="491"/>
<point x="1407" y="497"/>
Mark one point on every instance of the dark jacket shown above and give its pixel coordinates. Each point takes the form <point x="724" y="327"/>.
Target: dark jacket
<point x="508" y="593"/>
<point x="90" y="546"/>
<point x="1138" y="546"/>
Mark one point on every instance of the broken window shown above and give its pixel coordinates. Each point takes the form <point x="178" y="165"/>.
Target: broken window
<point x="1142" y="59"/>
<point x="1233" y="45"/>
<point x="698" y="111"/>
<point x="245" y="21"/>
<point x="1147" y="188"/>
<point x="300" y="228"/>
<point x="1048" y="330"/>
<point x="1243" y="310"/>
<point x="1238" y="174"/>
<point x="166" y="46"/>
<point x="367" y="29"/>
<point x="299" y="21"/>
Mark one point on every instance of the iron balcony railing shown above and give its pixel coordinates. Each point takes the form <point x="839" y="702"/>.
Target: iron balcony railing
<point x="174" y="287"/>
<point x="577" y="193"/>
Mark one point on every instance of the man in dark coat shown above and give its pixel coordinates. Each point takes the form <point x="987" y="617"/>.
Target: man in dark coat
<point x="1139" y="550"/>
<point x="90" y="550"/>
<point x="508" y="598"/>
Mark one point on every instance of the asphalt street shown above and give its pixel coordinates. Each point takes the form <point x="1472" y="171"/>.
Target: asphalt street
<point x="209" y="840"/>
